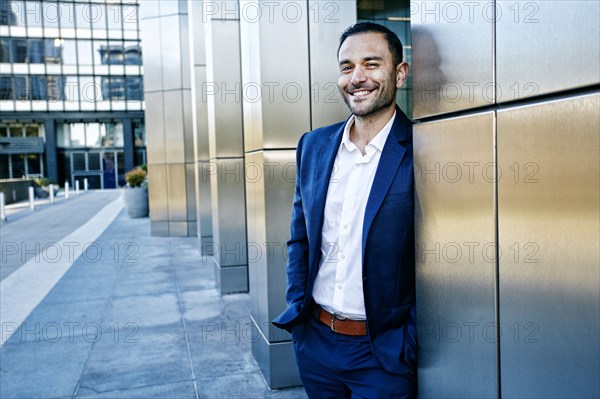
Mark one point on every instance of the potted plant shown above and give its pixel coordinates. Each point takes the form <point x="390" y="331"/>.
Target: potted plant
<point x="135" y="193"/>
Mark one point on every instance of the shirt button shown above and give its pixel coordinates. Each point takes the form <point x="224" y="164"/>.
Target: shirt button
<point x="345" y="226"/>
<point x="339" y="287"/>
<point x="343" y="256"/>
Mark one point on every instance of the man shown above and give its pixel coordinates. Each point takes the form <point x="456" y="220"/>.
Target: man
<point x="351" y="282"/>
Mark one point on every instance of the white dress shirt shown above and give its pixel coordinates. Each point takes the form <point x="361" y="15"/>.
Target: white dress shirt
<point x="338" y="287"/>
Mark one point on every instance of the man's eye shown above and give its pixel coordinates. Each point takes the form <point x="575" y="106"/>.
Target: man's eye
<point x="372" y="65"/>
<point x="346" y="68"/>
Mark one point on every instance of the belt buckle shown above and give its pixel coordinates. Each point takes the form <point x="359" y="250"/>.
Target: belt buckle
<point x="333" y="318"/>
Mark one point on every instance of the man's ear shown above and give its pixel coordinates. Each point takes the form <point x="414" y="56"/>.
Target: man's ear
<point x="401" y="74"/>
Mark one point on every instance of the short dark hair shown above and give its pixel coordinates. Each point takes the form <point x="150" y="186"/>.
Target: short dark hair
<point x="394" y="43"/>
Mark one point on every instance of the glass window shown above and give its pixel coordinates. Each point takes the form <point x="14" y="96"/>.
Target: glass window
<point x="133" y="54"/>
<point x="114" y="135"/>
<point x="4" y="171"/>
<point x="50" y="13"/>
<point x="69" y="52"/>
<point x="114" y="54"/>
<point x="84" y="52"/>
<point x="5" y="50"/>
<point x="82" y="16"/>
<point x="18" y="166"/>
<point x="19" y="51"/>
<point x="6" y="88"/>
<point x="38" y="88"/>
<point x="36" y="51"/>
<point x="87" y="91"/>
<point x="62" y="135"/>
<point x="113" y="16"/>
<point x="71" y="89"/>
<point x="16" y="130"/>
<point x="77" y="132"/>
<point x="99" y="51"/>
<point x="20" y="88"/>
<point x="33" y="11"/>
<point x="55" y="88"/>
<point x="3" y="131"/>
<point x="98" y="16"/>
<point x="34" y="164"/>
<point x="130" y="17"/>
<point x="52" y="50"/>
<point x="139" y="132"/>
<point x="32" y="130"/>
<point x="135" y="88"/>
<point x="8" y="14"/>
<point x="67" y="15"/>
<point x="92" y="135"/>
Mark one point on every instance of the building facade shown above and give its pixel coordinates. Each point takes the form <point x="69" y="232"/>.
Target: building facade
<point x="71" y="91"/>
<point x="505" y="96"/>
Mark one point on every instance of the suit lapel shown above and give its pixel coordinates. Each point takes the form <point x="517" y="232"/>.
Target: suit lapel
<point x="391" y="156"/>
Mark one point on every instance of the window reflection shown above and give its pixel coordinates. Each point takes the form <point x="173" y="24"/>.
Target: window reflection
<point x="84" y="51"/>
<point x="69" y="52"/>
<point x="50" y="13"/>
<point x="82" y="16"/>
<point x="67" y="15"/>
<point x="33" y="12"/>
<point x="113" y="16"/>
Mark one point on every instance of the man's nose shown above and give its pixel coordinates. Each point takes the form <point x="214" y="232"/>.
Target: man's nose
<point x="358" y="76"/>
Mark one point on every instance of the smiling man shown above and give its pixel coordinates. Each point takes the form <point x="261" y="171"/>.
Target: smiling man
<point x="351" y="277"/>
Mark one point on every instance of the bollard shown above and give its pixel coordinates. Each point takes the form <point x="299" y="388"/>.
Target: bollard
<point x="85" y="185"/>
<point x="66" y="189"/>
<point x="31" y="199"/>
<point x="76" y="187"/>
<point x="52" y="193"/>
<point x="2" y="207"/>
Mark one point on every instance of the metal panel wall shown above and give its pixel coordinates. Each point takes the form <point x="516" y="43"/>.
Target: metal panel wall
<point x="226" y="151"/>
<point x="452" y="50"/>
<point x="455" y="258"/>
<point x="548" y="210"/>
<point x="200" y="125"/>
<point x="168" y="117"/>
<point x="286" y="93"/>
<point x="546" y="46"/>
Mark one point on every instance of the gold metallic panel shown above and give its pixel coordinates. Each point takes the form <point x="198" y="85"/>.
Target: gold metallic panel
<point x="327" y="104"/>
<point x="171" y="50"/>
<point x="548" y="218"/>
<point x="546" y="46"/>
<point x="174" y="127"/>
<point x="452" y="55"/>
<point x="150" y="35"/>
<point x="157" y="195"/>
<point x="155" y="134"/>
<point x="228" y="211"/>
<point x="270" y="177"/>
<point x="455" y="257"/>
<point x="223" y="88"/>
<point x="177" y="192"/>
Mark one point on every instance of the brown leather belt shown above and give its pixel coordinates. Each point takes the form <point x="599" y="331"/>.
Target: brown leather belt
<point x="340" y="326"/>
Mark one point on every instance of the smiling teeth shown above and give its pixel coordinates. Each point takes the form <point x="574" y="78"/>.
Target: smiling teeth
<point x="361" y="93"/>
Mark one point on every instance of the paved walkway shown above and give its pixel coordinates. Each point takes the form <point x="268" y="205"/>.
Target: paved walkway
<point x="133" y="316"/>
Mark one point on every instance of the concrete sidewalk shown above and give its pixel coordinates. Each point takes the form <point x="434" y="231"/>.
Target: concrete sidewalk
<point x="133" y="317"/>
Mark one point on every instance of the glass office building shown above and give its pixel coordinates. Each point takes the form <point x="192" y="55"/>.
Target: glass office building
<point x="71" y="90"/>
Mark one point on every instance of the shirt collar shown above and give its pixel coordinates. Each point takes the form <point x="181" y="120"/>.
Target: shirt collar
<point x="377" y="142"/>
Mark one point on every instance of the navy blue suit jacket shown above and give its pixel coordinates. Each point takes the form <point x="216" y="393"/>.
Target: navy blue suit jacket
<point x="387" y="242"/>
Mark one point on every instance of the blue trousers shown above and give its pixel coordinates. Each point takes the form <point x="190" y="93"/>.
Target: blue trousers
<point x="337" y="366"/>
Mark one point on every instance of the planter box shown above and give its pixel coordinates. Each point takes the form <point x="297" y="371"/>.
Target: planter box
<point x="135" y="200"/>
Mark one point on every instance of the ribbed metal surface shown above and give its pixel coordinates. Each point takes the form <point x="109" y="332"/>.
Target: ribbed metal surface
<point x="549" y="227"/>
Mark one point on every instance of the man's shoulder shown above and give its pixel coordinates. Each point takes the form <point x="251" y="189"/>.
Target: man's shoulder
<point x="323" y="132"/>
